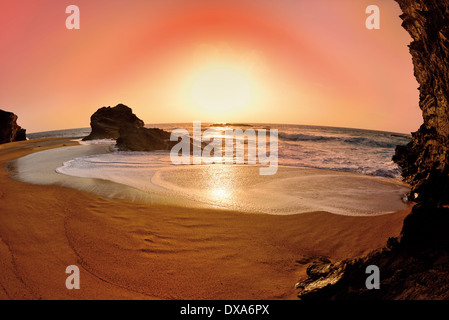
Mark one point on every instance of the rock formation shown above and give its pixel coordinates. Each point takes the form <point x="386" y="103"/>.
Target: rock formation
<point x="425" y="160"/>
<point x="122" y="124"/>
<point x="134" y="138"/>
<point x="415" y="265"/>
<point x="9" y="130"/>
<point x="106" y="122"/>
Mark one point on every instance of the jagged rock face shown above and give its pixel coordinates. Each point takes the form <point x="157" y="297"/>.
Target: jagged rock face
<point x="122" y="124"/>
<point x="9" y="130"/>
<point x="425" y="160"/>
<point x="414" y="267"/>
<point x="106" y="122"/>
<point x="143" y="139"/>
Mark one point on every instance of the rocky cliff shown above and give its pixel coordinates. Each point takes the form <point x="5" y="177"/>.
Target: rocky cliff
<point x="416" y="264"/>
<point x="106" y="122"/>
<point x="10" y="131"/>
<point x="122" y="124"/>
<point x="425" y="160"/>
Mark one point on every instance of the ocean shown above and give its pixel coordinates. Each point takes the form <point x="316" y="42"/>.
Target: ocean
<point x="338" y="170"/>
<point x="361" y="151"/>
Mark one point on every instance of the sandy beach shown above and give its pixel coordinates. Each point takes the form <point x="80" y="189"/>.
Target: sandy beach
<point x="128" y="250"/>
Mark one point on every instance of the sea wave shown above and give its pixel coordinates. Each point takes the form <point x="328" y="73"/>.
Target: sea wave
<point x="370" y="142"/>
<point x="97" y="141"/>
<point x="302" y="137"/>
<point x="340" y="149"/>
<point x="226" y="124"/>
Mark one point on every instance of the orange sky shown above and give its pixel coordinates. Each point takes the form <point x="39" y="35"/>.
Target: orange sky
<point x="288" y="61"/>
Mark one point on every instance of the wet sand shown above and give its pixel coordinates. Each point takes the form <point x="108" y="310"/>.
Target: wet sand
<point x="128" y="250"/>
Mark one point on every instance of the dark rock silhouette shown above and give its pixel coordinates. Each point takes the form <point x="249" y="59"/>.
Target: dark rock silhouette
<point x="10" y="131"/>
<point x="147" y="139"/>
<point x="106" y="122"/>
<point x="122" y="124"/>
<point x="134" y="138"/>
<point x="425" y="160"/>
<point x="415" y="265"/>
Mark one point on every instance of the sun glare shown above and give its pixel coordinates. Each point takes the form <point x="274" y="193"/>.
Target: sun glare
<point x="220" y="83"/>
<point x="221" y="90"/>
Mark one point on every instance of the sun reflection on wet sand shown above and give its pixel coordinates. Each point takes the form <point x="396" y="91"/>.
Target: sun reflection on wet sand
<point x="219" y="194"/>
<point x="220" y="184"/>
<point x="236" y="187"/>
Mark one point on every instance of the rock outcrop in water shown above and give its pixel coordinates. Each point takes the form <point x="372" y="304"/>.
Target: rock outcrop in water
<point x="122" y="124"/>
<point x="10" y="131"/>
<point x="415" y="265"/>
<point x="143" y="139"/>
<point x="106" y="122"/>
<point x="425" y="160"/>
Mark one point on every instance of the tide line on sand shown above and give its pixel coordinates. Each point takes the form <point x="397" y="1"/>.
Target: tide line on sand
<point x="150" y="177"/>
<point x="129" y="250"/>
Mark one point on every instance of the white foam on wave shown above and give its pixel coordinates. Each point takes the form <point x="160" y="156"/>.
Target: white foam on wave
<point x="239" y="187"/>
<point x="97" y="141"/>
<point x="292" y="190"/>
<point x="341" y="149"/>
<point x="42" y="168"/>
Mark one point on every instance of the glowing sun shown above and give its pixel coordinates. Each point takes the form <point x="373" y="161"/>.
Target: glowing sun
<point x="221" y="90"/>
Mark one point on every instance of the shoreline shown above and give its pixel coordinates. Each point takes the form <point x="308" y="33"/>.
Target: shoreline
<point x="131" y="250"/>
<point x="151" y="178"/>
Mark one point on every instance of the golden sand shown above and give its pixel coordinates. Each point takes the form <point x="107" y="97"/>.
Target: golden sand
<point x="129" y="250"/>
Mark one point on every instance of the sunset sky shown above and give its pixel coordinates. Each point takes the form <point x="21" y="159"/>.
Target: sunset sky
<point x="287" y="61"/>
